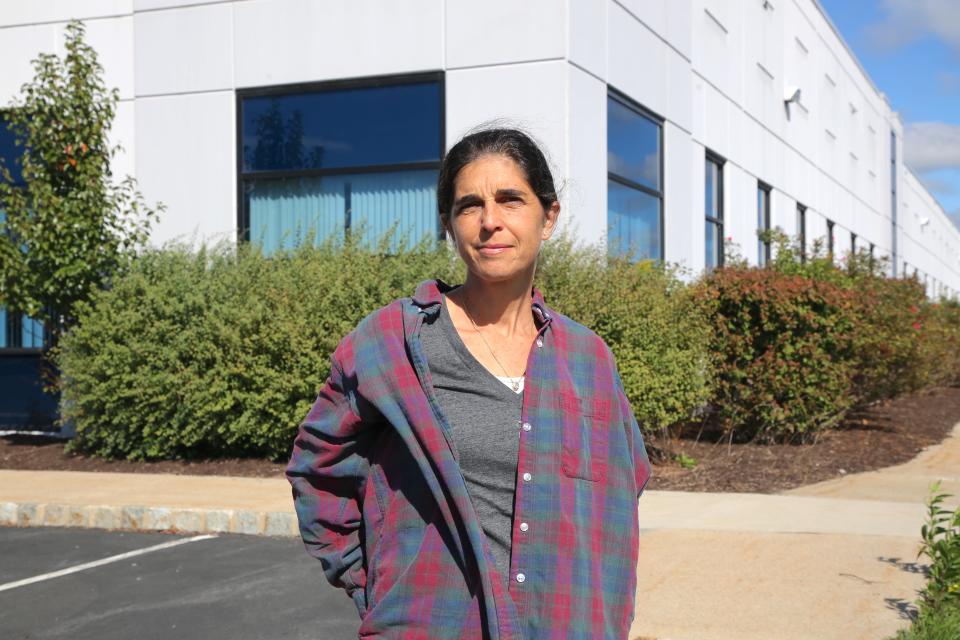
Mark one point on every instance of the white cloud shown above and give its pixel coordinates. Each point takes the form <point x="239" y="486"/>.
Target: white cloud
<point x="929" y="146"/>
<point x="908" y="20"/>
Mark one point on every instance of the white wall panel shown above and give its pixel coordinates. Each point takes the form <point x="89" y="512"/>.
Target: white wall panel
<point x="191" y="163"/>
<point x="586" y="173"/>
<point x="18" y="46"/>
<point x="684" y="199"/>
<point x="284" y="41"/>
<point x="199" y="33"/>
<point x="532" y="95"/>
<point x="504" y="31"/>
<point x="25" y="12"/>
<point x="588" y="35"/>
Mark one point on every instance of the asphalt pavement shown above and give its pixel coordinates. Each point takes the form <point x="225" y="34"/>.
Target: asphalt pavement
<point x="216" y="587"/>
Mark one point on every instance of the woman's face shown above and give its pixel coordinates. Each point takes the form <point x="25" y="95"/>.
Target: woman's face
<point x="496" y="221"/>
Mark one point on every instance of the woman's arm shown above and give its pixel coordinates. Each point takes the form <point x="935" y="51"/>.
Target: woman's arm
<point x="327" y="470"/>
<point x="641" y="462"/>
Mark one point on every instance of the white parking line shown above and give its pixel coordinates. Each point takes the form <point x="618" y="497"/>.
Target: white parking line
<point x="101" y="562"/>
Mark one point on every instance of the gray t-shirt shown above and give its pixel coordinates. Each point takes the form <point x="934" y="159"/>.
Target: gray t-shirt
<point x="484" y="418"/>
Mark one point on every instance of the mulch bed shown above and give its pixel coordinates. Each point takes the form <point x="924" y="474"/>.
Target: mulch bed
<point x="882" y="435"/>
<point x="887" y="433"/>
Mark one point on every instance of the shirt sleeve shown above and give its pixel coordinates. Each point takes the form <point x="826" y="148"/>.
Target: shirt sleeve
<point x="641" y="462"/>
<point x="327" y="471"/>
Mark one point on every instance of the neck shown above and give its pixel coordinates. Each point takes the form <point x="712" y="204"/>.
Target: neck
<point x="504" y="305"/>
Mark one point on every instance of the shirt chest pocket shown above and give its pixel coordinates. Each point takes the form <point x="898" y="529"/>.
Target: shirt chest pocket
<point x="585" y="437"/>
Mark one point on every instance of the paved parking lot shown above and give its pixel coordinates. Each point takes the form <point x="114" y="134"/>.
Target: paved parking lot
<point x="190" y="586"/>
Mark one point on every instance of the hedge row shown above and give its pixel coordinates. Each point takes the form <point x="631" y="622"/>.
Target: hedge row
<point x="220" y="351"/>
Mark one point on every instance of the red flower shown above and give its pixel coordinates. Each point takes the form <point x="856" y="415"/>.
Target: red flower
<point x="916" y="325"/>
<point x="914" y="309"/>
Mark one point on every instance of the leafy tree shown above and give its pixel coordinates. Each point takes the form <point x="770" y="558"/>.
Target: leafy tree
<point x="68" y="227"/>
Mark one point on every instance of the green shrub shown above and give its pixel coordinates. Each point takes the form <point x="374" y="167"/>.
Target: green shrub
<point x="888" y="357"/>
<point x="783" y="350"/>
<point x="941" y="543"/>
<point x="937" y="326"/>
<point x="649" y="318"/>
<point x="943" y="624"/>
<point x="939" y="604"/>
<point x="221" y="351"/>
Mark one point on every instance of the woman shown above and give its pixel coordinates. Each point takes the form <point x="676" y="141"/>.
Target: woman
<point x="471" y="467"/>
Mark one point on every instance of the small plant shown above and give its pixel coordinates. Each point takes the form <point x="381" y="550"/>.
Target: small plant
<point x="941" y="543"/>
<point x="938" y="617"/>
<point x="686" y="461"/>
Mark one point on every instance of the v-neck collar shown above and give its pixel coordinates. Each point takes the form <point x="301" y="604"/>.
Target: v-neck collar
<point x="459" y="346"/>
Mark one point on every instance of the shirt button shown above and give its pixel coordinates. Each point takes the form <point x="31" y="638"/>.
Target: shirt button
<point x="539" y="342"/>
<point x="521" y="577"/>
<point x="527" y="426"/>
<point x="524" y="526"/>
<point x="527" y="477"/>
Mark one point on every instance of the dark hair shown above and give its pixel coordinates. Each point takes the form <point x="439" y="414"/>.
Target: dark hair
<point x="512" y="143"/>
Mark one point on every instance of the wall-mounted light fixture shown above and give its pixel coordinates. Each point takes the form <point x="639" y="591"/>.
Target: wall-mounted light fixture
<point x="791" y="94"/>
<point x="924" y="222"/>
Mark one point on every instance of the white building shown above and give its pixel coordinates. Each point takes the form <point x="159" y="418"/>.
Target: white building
<point x="674" y="124"/>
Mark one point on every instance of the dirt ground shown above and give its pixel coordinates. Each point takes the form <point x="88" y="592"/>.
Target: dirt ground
<point x="882" y="435"/>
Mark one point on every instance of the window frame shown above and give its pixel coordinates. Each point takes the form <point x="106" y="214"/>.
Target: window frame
<point x="720" y="161"/>
<point x="627" y="102"/>
<point x="763" y="248"/>
<point x="802" y="231"/>
<point x="325" y="86"/>
<point x="830" y="228"/>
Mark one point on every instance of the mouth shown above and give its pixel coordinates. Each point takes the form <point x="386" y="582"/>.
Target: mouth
<point x="492" y="249"/>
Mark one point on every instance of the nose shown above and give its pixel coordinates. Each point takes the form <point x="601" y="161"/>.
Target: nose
<point x="490" y="219"/>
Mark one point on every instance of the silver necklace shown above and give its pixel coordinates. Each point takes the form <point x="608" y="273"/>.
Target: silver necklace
<point x="514" y="383"/>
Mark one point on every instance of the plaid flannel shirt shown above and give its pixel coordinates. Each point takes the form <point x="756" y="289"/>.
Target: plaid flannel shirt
<point x="382" y="503"/>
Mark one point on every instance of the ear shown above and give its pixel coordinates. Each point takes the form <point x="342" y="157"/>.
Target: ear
<point x="551" y="216"/>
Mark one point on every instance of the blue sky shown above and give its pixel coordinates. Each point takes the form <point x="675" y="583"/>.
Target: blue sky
<point x="911" y="50"/>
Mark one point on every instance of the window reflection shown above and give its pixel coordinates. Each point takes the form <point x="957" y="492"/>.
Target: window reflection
<point x="634" y="189"/>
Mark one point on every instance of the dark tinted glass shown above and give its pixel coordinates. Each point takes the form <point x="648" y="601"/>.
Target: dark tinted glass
<point x="713" y="244"/>
<point x="344" y="128"/>
<point x="634" y="219"/>
<point x="633" y="145"/>
<point x="9" y="152"/>
<point x="714" y="176"/>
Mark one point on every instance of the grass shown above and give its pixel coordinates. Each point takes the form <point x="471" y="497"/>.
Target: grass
<point x="938" y="624"/>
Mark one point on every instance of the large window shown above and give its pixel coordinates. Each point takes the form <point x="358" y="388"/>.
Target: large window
<point x="340" y="157"/>
<point x="634" y="180"/>
<point x="17" y="330"/>
<point x="714" y="211"/>
<point x="763" y="223"/>
<point x="802" y="231"/>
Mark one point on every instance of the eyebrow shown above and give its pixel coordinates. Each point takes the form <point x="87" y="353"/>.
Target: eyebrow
<point x="472" y="198"/>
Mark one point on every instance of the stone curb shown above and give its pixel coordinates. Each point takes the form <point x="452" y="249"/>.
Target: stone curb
<point x="142" y="518"/>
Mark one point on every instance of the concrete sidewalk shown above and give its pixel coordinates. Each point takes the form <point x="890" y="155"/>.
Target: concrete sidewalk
<point x="831" y="560"/>
<point x="148" y="502"/>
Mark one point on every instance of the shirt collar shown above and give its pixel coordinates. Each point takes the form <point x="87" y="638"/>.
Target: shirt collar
<point x="428" y="297"/>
